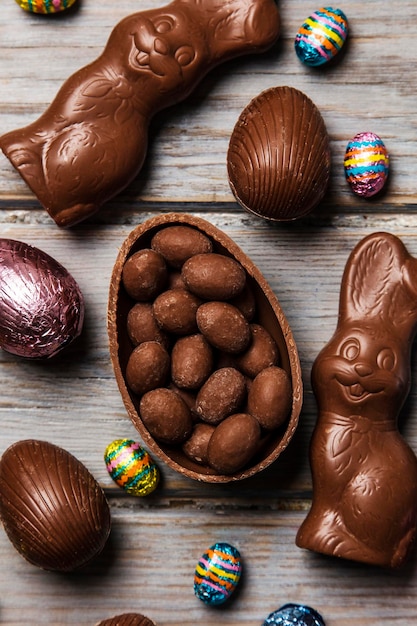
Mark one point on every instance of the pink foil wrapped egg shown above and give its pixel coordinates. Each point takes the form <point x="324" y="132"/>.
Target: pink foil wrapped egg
<point x="41" y="305"/>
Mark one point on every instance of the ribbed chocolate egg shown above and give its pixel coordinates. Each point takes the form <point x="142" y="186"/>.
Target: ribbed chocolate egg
<point x="127" y="619"/>
<point x="53" y="510"/>
<point x="278" y="160"/>
<point x="41" y="305"/>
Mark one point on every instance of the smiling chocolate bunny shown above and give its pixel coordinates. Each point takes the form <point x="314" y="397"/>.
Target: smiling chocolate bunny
<point x="364" y="473"/>
<point x="92" y="140"/>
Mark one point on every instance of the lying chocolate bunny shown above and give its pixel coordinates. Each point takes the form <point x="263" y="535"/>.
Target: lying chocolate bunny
<point x="92" y="140"/>
<point x="364" y="473"/>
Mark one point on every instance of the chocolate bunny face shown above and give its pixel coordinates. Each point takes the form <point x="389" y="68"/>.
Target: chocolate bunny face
<point x="362" y="370"/>
<point x="364" y="474"/>
<point x="163" y="47"/>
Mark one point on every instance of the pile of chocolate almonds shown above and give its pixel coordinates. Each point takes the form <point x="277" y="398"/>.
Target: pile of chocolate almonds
<point x="201" y="374"/>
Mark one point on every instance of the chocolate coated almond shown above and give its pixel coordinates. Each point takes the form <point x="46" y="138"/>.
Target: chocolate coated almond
<point x="178" y="243"/>
<point x="221" y="395"/>
<point x="144" y="275"/>
<point x="213" y="276"/>
<point x="166" y="415"/>
<point x="224" y="326"/>
<point x="233" y="443"/>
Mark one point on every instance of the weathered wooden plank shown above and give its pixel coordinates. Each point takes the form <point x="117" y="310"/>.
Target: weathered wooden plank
<point x="148" y="567"/>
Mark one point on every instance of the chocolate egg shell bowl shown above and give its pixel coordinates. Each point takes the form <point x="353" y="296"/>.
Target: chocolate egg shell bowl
<point x="202" y="437"/>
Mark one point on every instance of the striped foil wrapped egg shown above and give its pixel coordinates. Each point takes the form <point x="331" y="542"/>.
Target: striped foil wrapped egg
<point x="217" y="574"/>
<point x="321" y="36"/>
<point x="45" y="6"/>
<point x="366" y="164"/>
<point x="131" y="467"/>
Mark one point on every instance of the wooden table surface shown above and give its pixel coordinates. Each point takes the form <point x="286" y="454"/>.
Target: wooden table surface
<point x="148" y="565"/>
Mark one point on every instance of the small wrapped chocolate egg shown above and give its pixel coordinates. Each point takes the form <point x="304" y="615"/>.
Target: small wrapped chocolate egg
<point x="131" y="467"/>
<point x="41" y="305"/>
<point x="294" y="615"/>
<point x="366" y="164"/>
<point x="217" y="574"/>
<point x="45" y="6"/>
<point x="321" y="36"/>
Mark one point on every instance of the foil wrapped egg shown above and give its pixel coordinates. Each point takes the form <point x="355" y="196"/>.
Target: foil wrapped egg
<point x="278" y="159"/>
<point x="131" y="467"/>
<point x="366" y="164"/>
<point x="321" y="36"/>
<point x="45" y="6"/>
<point x="217" y="574"/>
<point x="294" y="615"/>
<point x="41" y="305"/>
<point x="53" y="510"/>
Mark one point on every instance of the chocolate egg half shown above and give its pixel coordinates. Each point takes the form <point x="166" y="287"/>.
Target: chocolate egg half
<point x="53" y="510"/>
<point x="41" y="305"/>
<point x="278" y="160"/>
<point x="268" y="314"/>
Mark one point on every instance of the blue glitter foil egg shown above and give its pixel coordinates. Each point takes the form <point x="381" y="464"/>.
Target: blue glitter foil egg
<point x="131" y="467"/>
<point x="217" y="574"/>
<point x="321" y="36"/>
<point x="366" y="164"/>
<point x="294" y="615"/>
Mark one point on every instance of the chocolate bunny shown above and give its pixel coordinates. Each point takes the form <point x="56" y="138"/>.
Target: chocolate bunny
<point x="364" y="474"/>
<point x="92" y="140"/>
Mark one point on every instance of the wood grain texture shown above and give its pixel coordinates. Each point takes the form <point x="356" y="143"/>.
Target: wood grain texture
<point x="74" y="402"/>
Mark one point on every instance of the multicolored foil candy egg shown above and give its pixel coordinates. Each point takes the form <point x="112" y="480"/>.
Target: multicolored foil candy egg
<point x="366" y="164"/>
<point x="45" y="6"/>
<point x="294" y="615"/>
<point x="321" y="36"/>
<point x="131" y="467"/>
<point x="217" y="574"/>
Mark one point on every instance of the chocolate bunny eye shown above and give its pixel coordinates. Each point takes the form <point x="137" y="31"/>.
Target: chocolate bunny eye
<point x="350" y="349"/>
<point x="184" y="55"/>
<point x="164" y="25"/>
<point x="386" y="359"/>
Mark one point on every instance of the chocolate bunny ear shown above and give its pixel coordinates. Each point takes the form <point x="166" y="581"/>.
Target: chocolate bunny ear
<point x="380" y="282"/>
<point x="237" y="22"/>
